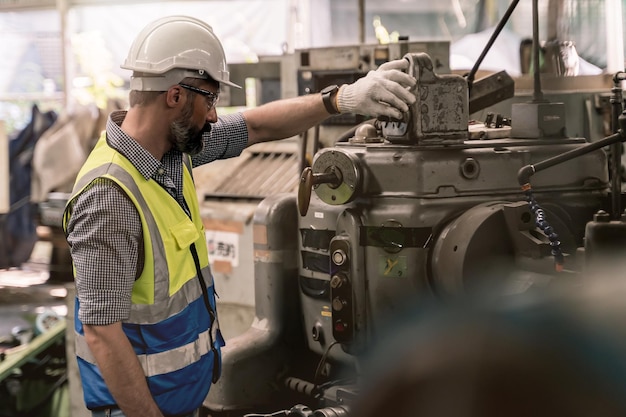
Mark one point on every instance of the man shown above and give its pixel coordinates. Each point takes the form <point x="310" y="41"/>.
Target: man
<point x="148" y="342"/>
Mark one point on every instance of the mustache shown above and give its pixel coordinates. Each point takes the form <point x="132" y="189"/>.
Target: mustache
<point x="193" y="141"/>
<point x="196" y="143"/>
<point x="206" y="129"/>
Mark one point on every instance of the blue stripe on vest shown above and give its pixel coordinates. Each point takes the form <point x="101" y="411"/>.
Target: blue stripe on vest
<point x="194" y="380"/>
<point x="166" y="335"/>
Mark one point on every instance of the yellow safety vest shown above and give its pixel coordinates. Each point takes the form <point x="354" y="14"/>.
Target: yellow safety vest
<point x="174" y="333"/>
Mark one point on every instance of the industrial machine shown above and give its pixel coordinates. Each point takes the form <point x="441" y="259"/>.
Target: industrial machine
<point x="404" y="212"/>
<point x="430" y="209"/>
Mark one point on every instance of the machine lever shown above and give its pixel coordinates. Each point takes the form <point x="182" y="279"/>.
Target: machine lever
<point x="308" y="180"/>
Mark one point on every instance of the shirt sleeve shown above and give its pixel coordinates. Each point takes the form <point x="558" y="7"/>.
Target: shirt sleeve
<point x="105" y="237"/>
<point x="227" y="139"/>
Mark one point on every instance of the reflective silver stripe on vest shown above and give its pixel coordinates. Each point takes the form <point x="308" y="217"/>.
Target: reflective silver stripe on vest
<point x="161" y="310"/>
<point x="168" y="306"/>
<point x="162" y="362"/>
<point x="165" y="306"/>
<point x="161" y="274"/>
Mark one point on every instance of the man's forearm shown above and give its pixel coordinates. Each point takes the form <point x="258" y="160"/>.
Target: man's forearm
<point x="387" y="91"/>
<point x="284" y="118"/>
<point x="121" y="370"/>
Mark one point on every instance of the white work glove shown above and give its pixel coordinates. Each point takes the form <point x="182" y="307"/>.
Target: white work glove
<point x="384" y="92"/>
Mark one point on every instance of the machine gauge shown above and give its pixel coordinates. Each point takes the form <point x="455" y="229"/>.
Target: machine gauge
<point x="345" y="166"/>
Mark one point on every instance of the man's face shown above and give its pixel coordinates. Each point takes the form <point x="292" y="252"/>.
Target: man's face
<point x="196" y="116"/>
<point x="186" y="135"/>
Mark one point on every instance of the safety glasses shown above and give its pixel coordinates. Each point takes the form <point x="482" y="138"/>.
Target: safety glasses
<point x="211" y="98"/>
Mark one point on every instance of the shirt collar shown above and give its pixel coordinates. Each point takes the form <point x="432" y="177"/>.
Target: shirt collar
<point x="147" y="165"/>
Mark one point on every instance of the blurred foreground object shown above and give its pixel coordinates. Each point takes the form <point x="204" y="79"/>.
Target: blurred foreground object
<point x="559" y="354"/>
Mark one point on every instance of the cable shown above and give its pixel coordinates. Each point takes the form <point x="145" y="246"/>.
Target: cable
<point x="322" y="362"/>
<point x="546" y="228"/>
<point x="274" y="414"/>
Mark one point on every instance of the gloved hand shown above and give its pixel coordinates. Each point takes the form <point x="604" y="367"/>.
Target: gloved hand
<point x="384" y="92"/>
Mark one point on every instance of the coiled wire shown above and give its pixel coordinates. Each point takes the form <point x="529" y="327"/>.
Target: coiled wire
<point x="546" y="228"/>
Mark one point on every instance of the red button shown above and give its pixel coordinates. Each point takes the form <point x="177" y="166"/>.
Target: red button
<point x="340" y="326"/>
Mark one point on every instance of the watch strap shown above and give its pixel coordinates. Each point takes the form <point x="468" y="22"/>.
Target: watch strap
<point x="328" y="96"/>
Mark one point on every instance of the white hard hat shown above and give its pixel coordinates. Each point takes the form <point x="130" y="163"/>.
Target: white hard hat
<point x="172" y="48"/>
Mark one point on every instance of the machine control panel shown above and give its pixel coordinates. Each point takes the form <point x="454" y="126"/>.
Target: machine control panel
<point x="341" y="294"/>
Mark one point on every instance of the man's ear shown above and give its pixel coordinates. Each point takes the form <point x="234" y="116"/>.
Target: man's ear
<point x="173" y="96"/>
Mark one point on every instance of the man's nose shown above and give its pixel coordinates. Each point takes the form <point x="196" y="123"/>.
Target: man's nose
<point x="211" y="115"/>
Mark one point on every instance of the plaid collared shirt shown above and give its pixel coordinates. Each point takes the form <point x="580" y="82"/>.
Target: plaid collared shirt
<point x="104" y="230"/>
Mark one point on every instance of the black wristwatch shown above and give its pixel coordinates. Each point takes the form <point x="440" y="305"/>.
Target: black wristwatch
<point x="328" y="97"/>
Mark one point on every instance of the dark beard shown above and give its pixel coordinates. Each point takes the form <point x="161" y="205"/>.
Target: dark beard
<point x="187" y="138"/>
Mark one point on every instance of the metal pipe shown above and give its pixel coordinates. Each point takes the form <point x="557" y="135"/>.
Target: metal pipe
<point x="524" y="174"/>
<point x="63" y="8"/>
<point x="361" y="21"/>
<point x="492" y="39"/>
<point x="316" y="139"/>
<point x="614" y="39"/>
<point x="616" y="148"/>
<point x="537" y="93"/>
